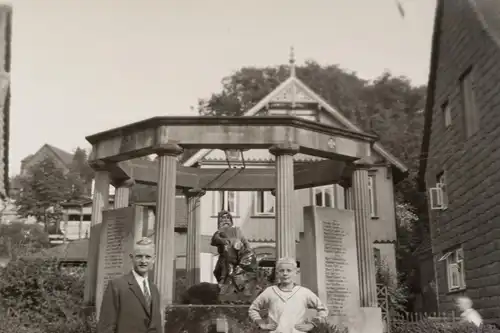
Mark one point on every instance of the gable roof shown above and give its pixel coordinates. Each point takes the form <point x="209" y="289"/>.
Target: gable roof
<point x="65" y="157"/>
<point x="488" y="14"/>
<point x="303" y="93"/>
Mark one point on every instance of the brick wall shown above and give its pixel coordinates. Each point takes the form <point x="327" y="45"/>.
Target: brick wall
<point x="472" y="165"/>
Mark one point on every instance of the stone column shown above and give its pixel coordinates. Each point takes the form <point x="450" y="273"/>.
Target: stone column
<point x="285" y="199"/>
<point x="80" y="224"/>
<point x="348" y="198"/>
<point x="100" y="202"/>
<point x="193" y="248"/>
<point x="122" y="193"/>
<point x="366" y="261"/>
<point x="66" y="220"/>
<point x="165" y="222"/>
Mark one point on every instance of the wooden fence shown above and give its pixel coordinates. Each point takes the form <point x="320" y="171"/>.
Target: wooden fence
<point x="392" y="320"/>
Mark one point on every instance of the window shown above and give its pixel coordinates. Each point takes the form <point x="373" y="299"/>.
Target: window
<point x="455" y="269"/>
<point x="225" y="200"/>
<point x="263" y="203"/>
<point x="446" y="110"/>
<point x="438" y="194"/>
<point x="471" y="116"/>
<point x="324" y="196"/>
<point x="372" y="192"/>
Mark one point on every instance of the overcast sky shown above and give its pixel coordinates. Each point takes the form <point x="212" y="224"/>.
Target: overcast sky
<point x="83" y="66"/>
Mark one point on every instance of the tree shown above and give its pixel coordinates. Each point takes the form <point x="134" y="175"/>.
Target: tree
<point x="247" y="86"/>
<point x="38" y="295"/>
<point x="42" y="191"/>
<point x="80" y="175"/>
<point x="389" y="106"/>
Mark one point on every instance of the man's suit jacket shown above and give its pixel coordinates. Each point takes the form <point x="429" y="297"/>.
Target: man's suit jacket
<point x="124" y="309"/>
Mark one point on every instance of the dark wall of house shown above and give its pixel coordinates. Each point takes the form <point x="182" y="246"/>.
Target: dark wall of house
<point x="472" y="165"/>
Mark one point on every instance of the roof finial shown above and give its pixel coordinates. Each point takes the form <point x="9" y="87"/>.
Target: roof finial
<point x="292" y="62"/>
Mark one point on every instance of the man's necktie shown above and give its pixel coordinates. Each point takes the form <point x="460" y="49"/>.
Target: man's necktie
<point x="147" y="295"/>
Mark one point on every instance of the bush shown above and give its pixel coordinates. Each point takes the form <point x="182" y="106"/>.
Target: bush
<point x="202" y="319"/>
<point x="440" y="326"/>
<point x="19" y="238"/>
<point x="36" y="295"/>
<point x="397" y="292"/>
<point x="328" y="328"/>
<point x="201" y="293"/>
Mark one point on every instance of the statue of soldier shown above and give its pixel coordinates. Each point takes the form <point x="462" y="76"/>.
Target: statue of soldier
<point x="237" y="262"/>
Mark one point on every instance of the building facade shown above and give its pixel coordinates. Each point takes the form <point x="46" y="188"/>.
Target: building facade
<point x="461" y="155"/>
<point x="254" y="212"/>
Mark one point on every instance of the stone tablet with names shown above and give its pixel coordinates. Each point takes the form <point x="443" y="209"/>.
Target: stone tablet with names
<point x="121" y="229"/>
<point x="331" y="270"/>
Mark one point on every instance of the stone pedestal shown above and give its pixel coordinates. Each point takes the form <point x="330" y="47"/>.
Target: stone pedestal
<point x="122" y="193"/>
<point x="285" y="200"/>
<point x="121" y="229"/>
<point x="366" y="261"/>
<point x="193" y="247"/>
<point x="100" y="202"/>
<point x="165" y="222"/>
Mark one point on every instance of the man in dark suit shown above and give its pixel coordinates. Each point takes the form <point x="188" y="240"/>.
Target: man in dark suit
<point x="131" y="303"/>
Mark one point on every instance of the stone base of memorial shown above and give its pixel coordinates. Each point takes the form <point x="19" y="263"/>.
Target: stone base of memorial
<point x="330" y="268"/>
<point x="120" y="230"/>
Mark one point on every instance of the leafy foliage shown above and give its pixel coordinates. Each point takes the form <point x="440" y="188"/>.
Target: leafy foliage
<point x="36" y="295"/>
<point x="389" y="106"/>
<point x="80" y="175"/>
<point x="409" y="238"/>
<point x="328" y="328"/>
<point x="45" y="186"/>
<point x="42" y="190"/>
<point x="17" y="235"/>
<point x="397" y="292"/>
<point x="440" y="326"/>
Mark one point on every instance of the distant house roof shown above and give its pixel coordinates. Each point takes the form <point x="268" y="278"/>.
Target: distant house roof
<point x="77" y="202"/>
<point x="62" y="155"/>
<point x="487" y="12"/>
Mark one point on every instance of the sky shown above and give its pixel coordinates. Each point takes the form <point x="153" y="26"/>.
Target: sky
<point x="83" y="66"/>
